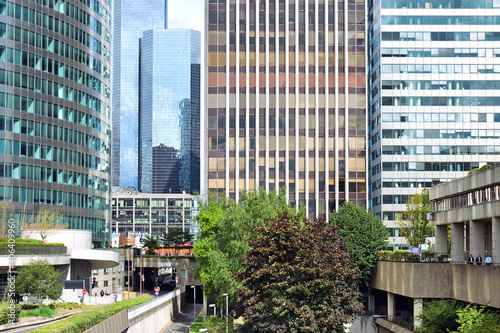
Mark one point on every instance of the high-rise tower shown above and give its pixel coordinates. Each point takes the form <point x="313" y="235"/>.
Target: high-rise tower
<point x="54" y="110"/>
<point x="286" y="87"/>
<point x="434" y="110"/>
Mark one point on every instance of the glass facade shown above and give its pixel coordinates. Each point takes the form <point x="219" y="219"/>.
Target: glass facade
<point x="286" y="100"/>
<point x="131" y="19"/>
<point x="55" y="109"/>
<point x="154" y="214"/>
<point x="169" y="112"/>
<point x="434" y="114"/>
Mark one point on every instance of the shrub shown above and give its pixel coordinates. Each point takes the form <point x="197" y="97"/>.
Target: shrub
<point x="384" y="255"/>
<point x="43" y="311"/>
<point x="82" y="321"/>
<point x="5" y="310"/>
<point x="27" y="242"/>
<point x="29" y="306"/>
<point x="428" y="255"/>
<point x="443" y="258"/>
<point x="413" y="257"/>
<point x="400" y="255"/>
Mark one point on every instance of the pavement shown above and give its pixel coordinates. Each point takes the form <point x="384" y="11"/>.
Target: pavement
<point x="184" y="320"/>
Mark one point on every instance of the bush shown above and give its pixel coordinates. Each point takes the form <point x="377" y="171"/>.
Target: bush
<point x="27" y="242"/>
<point x="413" y="257"/>
<point x="428" y="255"/>
<point x="43" y="311"/>
<point x="5" y="310"/>
<point x="384" y="255"/>
<point x="29" y="306"/>
<point x="400" y="255"/>
<point x="443" y="258"/>
<point x="82" y="321"/>
<point x="67" y="306"/>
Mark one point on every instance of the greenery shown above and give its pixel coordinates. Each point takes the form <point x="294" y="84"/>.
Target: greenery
<point x="474" y="319"/>
<point x="6" y="213"/>
<point x="398" y="255"/>
<point x="219" y="327"/>
<point x="438" y="316"/>
<point x="42" y="311"/>
<point x="28" y="242"/>
<point x="176" y="237"/>
<point x="413" y="222"/>
<point x="478" y="170"/>
<point x="84" y="320"/>
<point x="297" y="277"/>
<point x="4" y="311"/>
<point x="30" y="306"/>
<point x="226" y="228"/>
<point x="151" y="244"/>
<point x="40" y="279"/>
<point x="44" y="223"/>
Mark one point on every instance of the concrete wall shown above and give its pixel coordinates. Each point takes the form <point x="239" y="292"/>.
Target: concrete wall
<point x="73" y="239"/>
<point x="116" y="324"/>
<point x="469" y="283"/>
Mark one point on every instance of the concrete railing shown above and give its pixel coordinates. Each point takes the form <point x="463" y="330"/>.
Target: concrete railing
<point x="155" y="302"/>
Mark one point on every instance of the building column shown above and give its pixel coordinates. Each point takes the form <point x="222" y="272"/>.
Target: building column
<point x="441" y="239"/>
<point x="371" y="303"/>
<point x="457" y="242"/>
<point x="476" y="238"/>
<point x="495" y="240"/>
<point x="391" y="306"/>
<point x="417" y="309"/>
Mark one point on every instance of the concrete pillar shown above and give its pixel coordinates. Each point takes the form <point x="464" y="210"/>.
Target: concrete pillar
<point x="371" y="303"/>
<point x="417" y="309"/>
<point x="457" y="242"/>
<point x="495" y="240"/>
<point x="476" y="238"/>
<point x="441" y="239"/>
<point x="391" y="305"/>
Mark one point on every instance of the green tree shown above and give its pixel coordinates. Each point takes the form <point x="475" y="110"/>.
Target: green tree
<point x="365" y="235"/>
<point x="151" y="244"/>
<point x="297" y="278"/>
<point x="40" y="279"/>
<point x="474" y="319"/>
<point x="175" y="237"/>
<point x="438" y="316"/>
<point x="226" y="228"/>
<point x="413" y="222"/>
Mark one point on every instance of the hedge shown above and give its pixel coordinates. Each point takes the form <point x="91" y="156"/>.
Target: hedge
<point x="27" y="242"/>
<point x="82" y="321"/>
<point x="4" y="311"/>
<point x="401" y="255"/>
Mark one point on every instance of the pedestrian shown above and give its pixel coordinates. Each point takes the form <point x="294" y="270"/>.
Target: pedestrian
<point x="470" y="260"/>
<point x="479" y="260"/>
<point x="102" y="293"/>
<point x="488" y="260"/>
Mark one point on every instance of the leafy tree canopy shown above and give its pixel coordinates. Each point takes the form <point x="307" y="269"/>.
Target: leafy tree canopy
<point x="226" y="228"/>
<point x="176" y="236"/>
<point x="151" y="244"/>
<point x="364" y="233"/>
<point x="40" y="279"/>
<point x="297" y="278"/>
<point x="413" y="222"/>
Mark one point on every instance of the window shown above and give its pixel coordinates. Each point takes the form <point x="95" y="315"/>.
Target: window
<point x="105" y="283"/>
<point x="183" y="273"/>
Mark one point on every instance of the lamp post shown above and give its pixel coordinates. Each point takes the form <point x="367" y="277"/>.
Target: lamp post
<point x="194" y="305"/>
<point x="213" y="306"/>
<point x="227" y="311"/>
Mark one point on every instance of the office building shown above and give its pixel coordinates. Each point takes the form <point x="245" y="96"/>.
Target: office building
<point x="169" y="112"/>
<point x="153" y="214"/>
<point x="130" y="19"/>
<point x="54" y="111"/>
<point x="434" y="111"/>
<point x="286" y="100"/>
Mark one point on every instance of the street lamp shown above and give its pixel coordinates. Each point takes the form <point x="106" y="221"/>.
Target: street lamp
<point x="194" y="310"/>
<point x="213" y="306"/>
<point x="227" y="311"/>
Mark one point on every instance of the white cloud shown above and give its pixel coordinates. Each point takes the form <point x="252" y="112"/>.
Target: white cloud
<point x="186" y="14"/>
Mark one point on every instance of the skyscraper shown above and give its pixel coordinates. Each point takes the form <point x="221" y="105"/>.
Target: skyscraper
<point x="131" y="19"/>
<point x="54" y="110"/>
<point x="434" y="110"/>
<point x="286" y="100"/>
<point x="169" y="113"/>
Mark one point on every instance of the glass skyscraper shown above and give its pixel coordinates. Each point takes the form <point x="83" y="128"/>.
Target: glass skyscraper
<point x="131" y="19"/>
<point x="54" y="110"/>
<point x="434" y="107"/>
<point x="169" y="113"/>
<point x="286" y="100"/>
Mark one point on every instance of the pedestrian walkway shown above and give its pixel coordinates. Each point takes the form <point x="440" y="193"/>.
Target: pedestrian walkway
<point x="184" y="321"/>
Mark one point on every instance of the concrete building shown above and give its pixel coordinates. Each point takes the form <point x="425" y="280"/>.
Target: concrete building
<point x="54" y="111"/>
<point x="286" y="100"/>
<point x="130" y="19"/>
<point x="169" y="112"/>
<point x="153" y="214"/>
<point x="433" y="110"/>
<point x="471" y="206"/>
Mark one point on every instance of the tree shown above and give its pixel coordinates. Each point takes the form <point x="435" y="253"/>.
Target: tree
<point x="364" y="234"/>
<point x="151" y="244"/>
<point x="473" y="319"/>
<point x="438" y="316"/>
<point x="6" y="213"/>
<point x="226" y="228"/>
<point x="413" y="222"/>
<point x="40" y="279"/>
<point x="175" y="237"/>
<point x="297" y="278"/>
<point x="45" y="223"/>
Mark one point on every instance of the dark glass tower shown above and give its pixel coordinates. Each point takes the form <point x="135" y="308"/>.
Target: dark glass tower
<point x="54" y="110"/>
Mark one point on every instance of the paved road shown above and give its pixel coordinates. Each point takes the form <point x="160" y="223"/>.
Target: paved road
<point x="184" y="321"/>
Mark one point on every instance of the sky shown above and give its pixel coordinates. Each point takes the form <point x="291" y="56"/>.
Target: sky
<point x="186" y="14"/>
